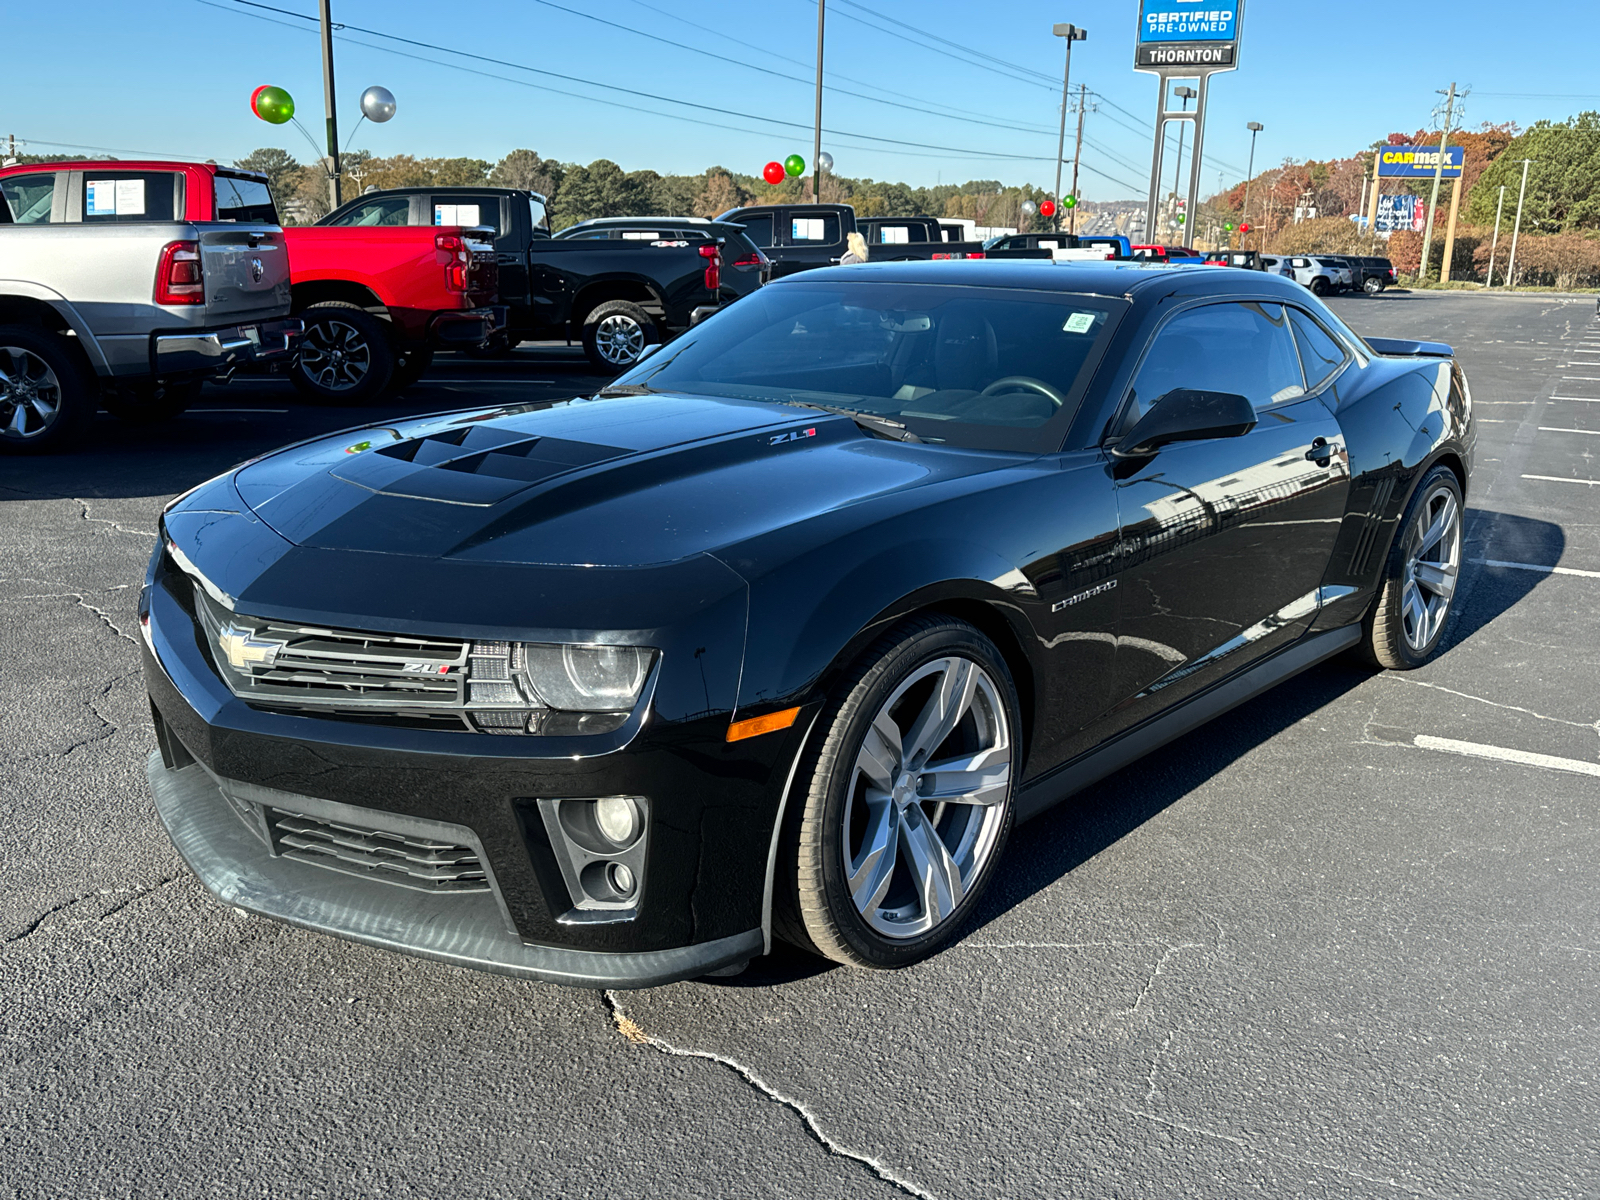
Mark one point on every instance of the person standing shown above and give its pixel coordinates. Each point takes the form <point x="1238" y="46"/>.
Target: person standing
<point x="857" y="249"/>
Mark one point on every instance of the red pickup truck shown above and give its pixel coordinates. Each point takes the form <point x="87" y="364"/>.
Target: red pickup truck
<point x="376" y="295"/>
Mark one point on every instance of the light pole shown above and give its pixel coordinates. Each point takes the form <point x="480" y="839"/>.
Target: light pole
<point x="1499" y="207"/>
<point x="816" y="141"/>
<point x="1511" y="267"/>
<point x="1185" y="94"/>
<point x="1073" y="34"/>
<point x="1254" y="127"/>
<point x="328" y="102"/>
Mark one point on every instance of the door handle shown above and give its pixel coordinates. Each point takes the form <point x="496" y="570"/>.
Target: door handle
<point x="1322" y="452"/>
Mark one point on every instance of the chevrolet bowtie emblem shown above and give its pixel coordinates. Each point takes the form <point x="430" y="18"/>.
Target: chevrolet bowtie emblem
<point x="245" y="650"/>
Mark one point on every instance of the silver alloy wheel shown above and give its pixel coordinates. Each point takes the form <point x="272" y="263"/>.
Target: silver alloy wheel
<point x="334" y="355"/>
<point x="1433" y="562"/>
<point x="30" y="394"/>
<point x="927" y="798"/>
<point x="620" y="339"/>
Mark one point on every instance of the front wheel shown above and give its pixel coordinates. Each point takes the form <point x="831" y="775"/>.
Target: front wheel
<point x="46" y="395"/>
<point x="1372" y="286"/>
<point x="1407" y="622"/>
<point x="345" y="355"/>
<point x="617" y="333"/>
<point x="907" y="798"/>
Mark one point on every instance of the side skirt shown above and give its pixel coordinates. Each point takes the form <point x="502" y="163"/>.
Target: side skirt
<point x="1049" y="790"/>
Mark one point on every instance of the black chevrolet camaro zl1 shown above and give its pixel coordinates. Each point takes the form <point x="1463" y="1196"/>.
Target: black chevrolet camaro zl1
<point x="782" y="633"/>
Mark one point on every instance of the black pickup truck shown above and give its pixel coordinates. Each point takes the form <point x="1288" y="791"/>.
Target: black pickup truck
<point x="798" y="237"/>
<point x="619" y="296"/>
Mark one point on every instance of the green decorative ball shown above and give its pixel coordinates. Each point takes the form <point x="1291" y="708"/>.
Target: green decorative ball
<point x="274" y="105"/>
<point x="1069" y="202"/>
<point x="794" y="165"/>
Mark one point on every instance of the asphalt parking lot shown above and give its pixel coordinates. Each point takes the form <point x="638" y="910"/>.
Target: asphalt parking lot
<point x="1343" y="942"/>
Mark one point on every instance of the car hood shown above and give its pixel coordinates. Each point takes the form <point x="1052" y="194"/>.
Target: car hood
<point x="609" y="481"/>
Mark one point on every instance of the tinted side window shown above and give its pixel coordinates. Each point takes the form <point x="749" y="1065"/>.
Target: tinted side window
<point x="758" y="228"/>
<point x="244" y="200"/>
<point x="390" y="210"/>
<point x="118" y="197"/>
<point x="29" y="197"/>
<point x="1319" y="353"/>
<point x="1245" y="349"/>
<point x="540" y="216"/>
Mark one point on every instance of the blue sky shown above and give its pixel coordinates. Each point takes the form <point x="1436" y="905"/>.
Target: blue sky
<point x="174" y="76"/>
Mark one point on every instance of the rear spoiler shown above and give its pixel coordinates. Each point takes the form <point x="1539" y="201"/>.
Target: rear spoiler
<point x="1403" y="349"/>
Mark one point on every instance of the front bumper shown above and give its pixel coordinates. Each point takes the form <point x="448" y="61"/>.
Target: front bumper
<point x="212" y="351"/>
<point x="468" y="327"/>
<point x="468" y="930"/>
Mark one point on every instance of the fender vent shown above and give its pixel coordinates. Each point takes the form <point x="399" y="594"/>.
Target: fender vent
<point x="1362" y="556"/>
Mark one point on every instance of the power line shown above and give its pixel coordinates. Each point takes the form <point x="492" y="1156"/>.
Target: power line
<point x="1046" y="80"/>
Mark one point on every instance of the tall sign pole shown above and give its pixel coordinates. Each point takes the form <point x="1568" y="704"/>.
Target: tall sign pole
<point x="328" y="102"/>
<point x="816" y="139"/>
<point x="1511" y="268"/>
<point x="1073" y="34"/>
<point x="1438" y="174"/>
<point x="1194" y="44"/>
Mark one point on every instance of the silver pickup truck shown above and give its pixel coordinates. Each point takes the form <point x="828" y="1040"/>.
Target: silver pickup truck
<point x="110" y="296"/>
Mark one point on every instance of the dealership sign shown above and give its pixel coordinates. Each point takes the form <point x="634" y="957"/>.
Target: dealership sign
<point x="1400" y="212"/>
<point x="1419" y="162"/>
<point x="1187" y="33"/>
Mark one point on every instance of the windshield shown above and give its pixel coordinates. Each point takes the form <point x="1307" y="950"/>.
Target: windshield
<point x="978" y="367"/>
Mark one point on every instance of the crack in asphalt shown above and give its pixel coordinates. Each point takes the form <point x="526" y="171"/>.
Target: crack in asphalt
<point x="106" y="521"/>
<point x="633" y="1032"/>
<point x="137" y="893"/>
<point x="78" y="597"/>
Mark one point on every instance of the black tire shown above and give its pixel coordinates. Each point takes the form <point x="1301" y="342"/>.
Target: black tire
<point x="1319" y="286"/>
<point x="616" y="334"/>
<point x="833" y="805"/>
<point x="1373" y="286"/>
<point x="412" y="364"/>
<point x="1394" y="638"/>
<point x="47" y="393"/>
<point x="345" y="355"/>
<point x="152" y="402"/>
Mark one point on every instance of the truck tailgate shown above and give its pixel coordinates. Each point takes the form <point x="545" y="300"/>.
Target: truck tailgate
<point x="246" y="271"/>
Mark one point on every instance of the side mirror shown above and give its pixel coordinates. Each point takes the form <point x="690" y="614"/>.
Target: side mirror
<point x="1183" y="415"/>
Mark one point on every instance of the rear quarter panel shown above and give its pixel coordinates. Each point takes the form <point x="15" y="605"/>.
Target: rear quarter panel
<point x="399" y="264"/>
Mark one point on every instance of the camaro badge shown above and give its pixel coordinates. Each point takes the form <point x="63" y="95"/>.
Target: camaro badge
<point x="794" y="435"/>
<point x="244" y="649"/>
<point x="1094" y="591"/>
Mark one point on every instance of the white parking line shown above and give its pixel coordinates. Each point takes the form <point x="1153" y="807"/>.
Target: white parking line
<point x="1585" y="378"/>
<point x="1548" y="762"/>
<point x="1516" y="566"/>
<point x="1556" y="429"/>
<point x="1579" y="399"/>
<point x="1563" y="479"/>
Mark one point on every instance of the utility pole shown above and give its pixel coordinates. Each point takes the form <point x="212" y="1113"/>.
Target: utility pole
<point x="1073" y="34"/>
<point x="816" y="139"/>
<point x="1438" y="174"/>
<point x="1499" y="206"/>
<point x="328" y="103"/>
<point x="1254" y="127"/>
<point x="1511" y="267"/>
<point x="1185" y="94"/>
<point x="1077" y="153"/>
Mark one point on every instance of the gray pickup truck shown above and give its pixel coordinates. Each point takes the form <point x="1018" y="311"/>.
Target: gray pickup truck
<point x="110" y="295"/>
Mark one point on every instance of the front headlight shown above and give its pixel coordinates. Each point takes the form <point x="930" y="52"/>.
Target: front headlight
<point x="587" y="678"/>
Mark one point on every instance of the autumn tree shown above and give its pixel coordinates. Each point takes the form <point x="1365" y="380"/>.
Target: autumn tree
<point x="525" y="169"/>
<point x="280" y="168"/>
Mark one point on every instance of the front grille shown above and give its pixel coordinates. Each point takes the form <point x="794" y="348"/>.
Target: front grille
<point x="414" y="862"/>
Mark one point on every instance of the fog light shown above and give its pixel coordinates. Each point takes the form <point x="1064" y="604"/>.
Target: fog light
<point x="618" y="819"/>
<point x="620" y="879"/>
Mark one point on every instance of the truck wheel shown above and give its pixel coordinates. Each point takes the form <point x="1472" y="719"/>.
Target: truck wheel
<point x="1372" y="286"/>
<point x="410" y="367"/>
<point x="47" y="396"/>
<point x="345" y="355"/>
<point x="616" y="333"/>
<point x="1319" y="286"/>
<point x="152" y="402"/>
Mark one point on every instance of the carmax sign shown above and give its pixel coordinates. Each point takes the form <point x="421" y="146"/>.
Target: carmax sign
<point x="1181" y="33"/>
<point x="1417" y="162"/>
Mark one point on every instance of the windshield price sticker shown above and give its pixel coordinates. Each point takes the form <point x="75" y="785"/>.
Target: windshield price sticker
<point x="807" y="229"/>
<point x="114" y="197"/>
<point x="456" y="214"/>
<point x="1081" y="322"/>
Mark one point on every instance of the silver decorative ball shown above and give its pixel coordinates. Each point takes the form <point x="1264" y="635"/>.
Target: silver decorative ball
<point x="377" y="104"/>
<point x="1029" y="208"/>
<point x="825" y="161"/>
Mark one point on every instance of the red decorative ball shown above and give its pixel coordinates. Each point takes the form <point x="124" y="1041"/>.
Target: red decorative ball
<point x="1047" y="208"/>
<point x="1245" y="228"/>
<point x="774" y="173"/>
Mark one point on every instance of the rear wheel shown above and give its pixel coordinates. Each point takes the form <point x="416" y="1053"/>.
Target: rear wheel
<point x="345" y="355"/>
<point x="46" y="393"/>
<point x="907" y="800"/>
<point x="1372" y="286"/>
<point x="152" y="402"/>
<point x="1319" y="286"/>
<point x="1407" y="622"/>
<point x="617" y="333"/>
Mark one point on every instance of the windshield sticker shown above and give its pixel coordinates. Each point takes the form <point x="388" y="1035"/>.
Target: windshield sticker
<point x="1080" y="322"/>
<point x="456" y="214"/>
<point x="806" y="229"/>
<point x="114" y="197"/>
<point x="130" y="197"/>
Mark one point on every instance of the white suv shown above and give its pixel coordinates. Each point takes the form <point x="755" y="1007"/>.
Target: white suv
<point x="1320" y="275"/>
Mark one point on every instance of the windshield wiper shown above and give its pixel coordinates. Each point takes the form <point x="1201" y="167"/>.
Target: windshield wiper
<point x="882" y="426"/>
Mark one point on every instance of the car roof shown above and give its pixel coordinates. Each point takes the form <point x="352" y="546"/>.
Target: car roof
<point x="597" y="222"/>
<point x="1121" y="279"/>
<point x="138" y="164"/>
